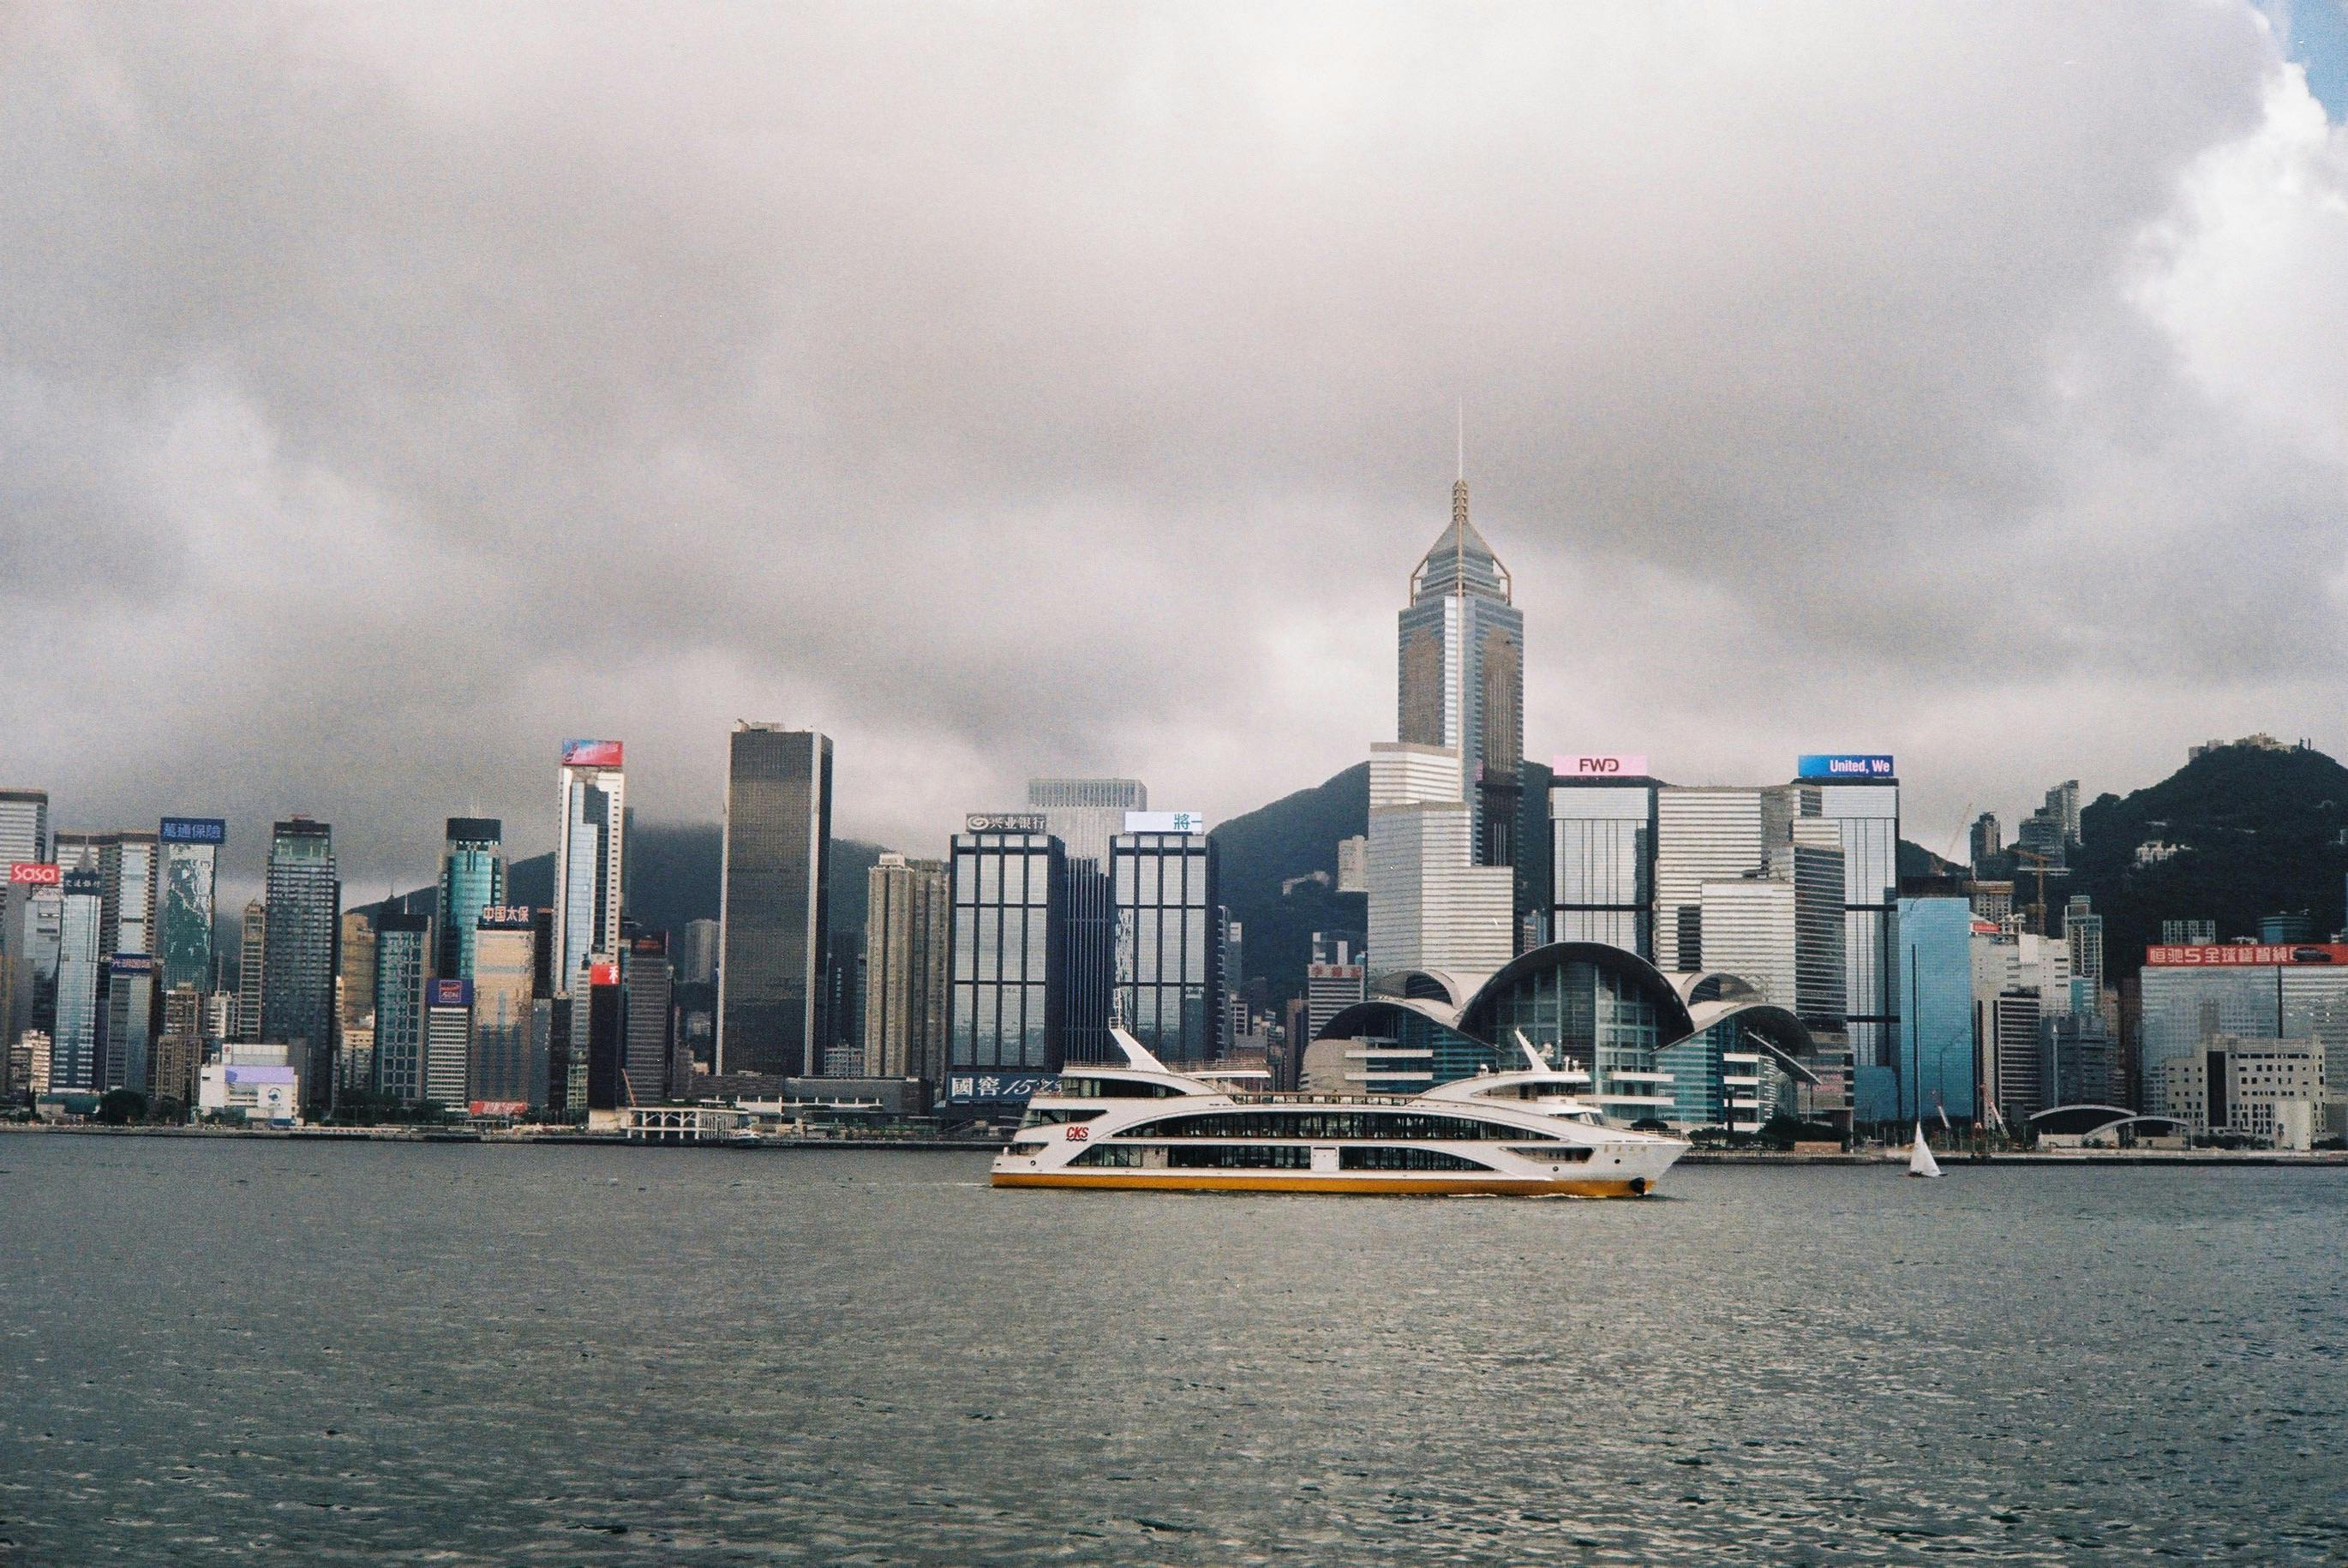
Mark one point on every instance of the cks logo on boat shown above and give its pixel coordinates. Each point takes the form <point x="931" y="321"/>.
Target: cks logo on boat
<point x="1079" y="1133"/>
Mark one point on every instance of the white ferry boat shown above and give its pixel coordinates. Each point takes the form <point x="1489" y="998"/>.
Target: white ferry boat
<point x="1145" y="1126"/>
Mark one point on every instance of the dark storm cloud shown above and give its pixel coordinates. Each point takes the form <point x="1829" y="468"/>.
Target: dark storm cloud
<point x="388" y="393"/>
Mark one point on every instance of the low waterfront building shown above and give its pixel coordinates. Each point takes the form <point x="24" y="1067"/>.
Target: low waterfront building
<point x="2266" y="1090"/>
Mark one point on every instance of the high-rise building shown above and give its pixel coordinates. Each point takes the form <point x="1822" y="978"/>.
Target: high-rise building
<point x="2082" y="930"/>
<point x="472" y="879"/>
<point x="179" y="1053"/>
<point x="128" y="1041"/>
<point x="23" y="826"/>
<point x="589" y="858"/>
<point x="1460" y="646"/>
<point x="1603" y="853"/>
<point x="1988" y="843"/>
<point x="651" y="987"/>
<point x="1005" y="1009"/>
<point x="908" y="922"/>
<point x="1084" y="814"/>
<point x="1353" y="864"/>
<point x="81" y="959"/>
<point x="774" y="902"/>
<point x="698" y="953"/>
<point x="599" y="1038"/>
<point x="504" y="964"/>
<point x="1169" y="981"/>
<point x="183" y="952"/>
<point x="1865" y="812"/>
<point x="2075" y="1060"/>
<point x="1334" y="981"/>
<point x="354" y="992"/>
<point x="1431" y="904"/>
<point x="447" y="1041"/>
<point x="1706" y="834"/>
<point x="403" y="962"/>
<point x="2009" y="1023"/>
<point x="2063" y="805"/>
<point x="297" y="994"/>
<point x="1936" y="1067"/>
<point x="252" y="968"/>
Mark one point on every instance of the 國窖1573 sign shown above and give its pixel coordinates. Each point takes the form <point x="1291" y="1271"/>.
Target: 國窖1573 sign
<point x="1601" y="765"/>
<point x="1842" y="765"/>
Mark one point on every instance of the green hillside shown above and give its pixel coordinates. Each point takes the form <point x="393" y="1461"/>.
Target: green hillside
<point x="2258" y="830"/>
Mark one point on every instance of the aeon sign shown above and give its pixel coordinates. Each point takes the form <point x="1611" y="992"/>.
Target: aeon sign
<point x="1611" y="765"/>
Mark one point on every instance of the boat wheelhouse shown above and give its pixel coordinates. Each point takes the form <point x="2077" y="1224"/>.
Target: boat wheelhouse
<point x="1145" y="1126"/>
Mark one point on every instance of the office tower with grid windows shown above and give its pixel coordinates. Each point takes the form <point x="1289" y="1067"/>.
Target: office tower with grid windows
<point x="774" y="902"/>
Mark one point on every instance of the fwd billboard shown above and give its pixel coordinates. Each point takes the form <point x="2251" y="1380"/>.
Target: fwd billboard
<point x="1601" y="765"/>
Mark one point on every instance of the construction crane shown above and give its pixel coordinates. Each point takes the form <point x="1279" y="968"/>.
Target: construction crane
<point x="1957" y="839"/>
<point x="2039" y="863"/>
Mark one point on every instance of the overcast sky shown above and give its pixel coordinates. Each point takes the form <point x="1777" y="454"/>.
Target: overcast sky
<point x="388" y="392"/>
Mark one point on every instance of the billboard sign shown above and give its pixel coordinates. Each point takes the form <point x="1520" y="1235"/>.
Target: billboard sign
<point x="504" y="917"/>
<point x="84" y="884"/>
<point x="194" y="831"/>
<point x="602" y="971"/>
<point x="1005" y="822"/>
<point x="1165" y="822"/>
<point x="450" y="993"/>
<point x="131" y="963"/>
<point x="983" y="1088"/>
<point x="1601" y="765"/>
<point x="499" y="1107"/>
<point x="34" y="873"/>
<point x="1840" y="764"/>
<point x="591" y="753"/>
<point x="2233" y="955"/>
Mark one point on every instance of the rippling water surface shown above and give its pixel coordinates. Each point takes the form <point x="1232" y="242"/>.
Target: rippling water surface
<point x="261" y="1352"/>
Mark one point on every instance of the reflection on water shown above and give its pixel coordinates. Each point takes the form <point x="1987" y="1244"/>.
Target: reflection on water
<point x="248" y="1351"/>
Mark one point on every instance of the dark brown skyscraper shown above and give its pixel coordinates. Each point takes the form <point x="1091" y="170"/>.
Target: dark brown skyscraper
<point x="774" y="902"/>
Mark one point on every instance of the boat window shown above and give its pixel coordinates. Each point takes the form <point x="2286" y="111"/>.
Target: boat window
<point x="1109" y="1155"/>
<point x="1391" y="1125"/>
<point x="1376" y="1159"/>
<point x="1240" y="1157"/>
<point x="1564" y="1153"/>
<point x="1053" y="1115"/>
<point x="1029" y="1145"/>
<point x="1112" y="1088"/>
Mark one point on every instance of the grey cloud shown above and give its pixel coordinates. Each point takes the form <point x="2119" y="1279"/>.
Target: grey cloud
<point x="1072" y="389"/>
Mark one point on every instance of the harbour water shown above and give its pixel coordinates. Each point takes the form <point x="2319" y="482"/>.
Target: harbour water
<point x="248" y="1351"/>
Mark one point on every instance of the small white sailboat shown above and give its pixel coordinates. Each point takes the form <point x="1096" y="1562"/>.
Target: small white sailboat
<point x="1919" y="1159"/>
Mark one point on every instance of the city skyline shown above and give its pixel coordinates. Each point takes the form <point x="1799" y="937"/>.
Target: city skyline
<point x="1907" y="379"/>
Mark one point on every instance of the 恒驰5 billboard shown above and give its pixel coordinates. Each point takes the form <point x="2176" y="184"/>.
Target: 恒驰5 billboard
<point x="1843" y="765"/>
<point x="591" y="753"/>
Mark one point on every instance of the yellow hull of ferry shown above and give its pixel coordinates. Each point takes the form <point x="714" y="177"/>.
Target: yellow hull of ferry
<point x="1283" y="1182"/>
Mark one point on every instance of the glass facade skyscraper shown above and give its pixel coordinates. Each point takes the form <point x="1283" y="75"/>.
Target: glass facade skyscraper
<point x="1460" y="645"/>
<point x="1706" y="834"/>
<point x="590" y="858"/>
<point x="1170" y="983"/>
<point x="129" y="1034"/>
<point x="81" y="956"/>
<point x="773" y="902"/>
<point x="1936" y="1010"/>
<point x="651" y="986"/>
<point x="304" y="910"/>
<point x="1602" y="864"/>
<point x="402" y="960"/>
<point x="183" y="950"/>
<point x="1085" y="815"/>
<point x="1005" y="978"/>
<point x="504" y="964"/>
<point x="1867" y="818"/>
<point x="472" y="879"/>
